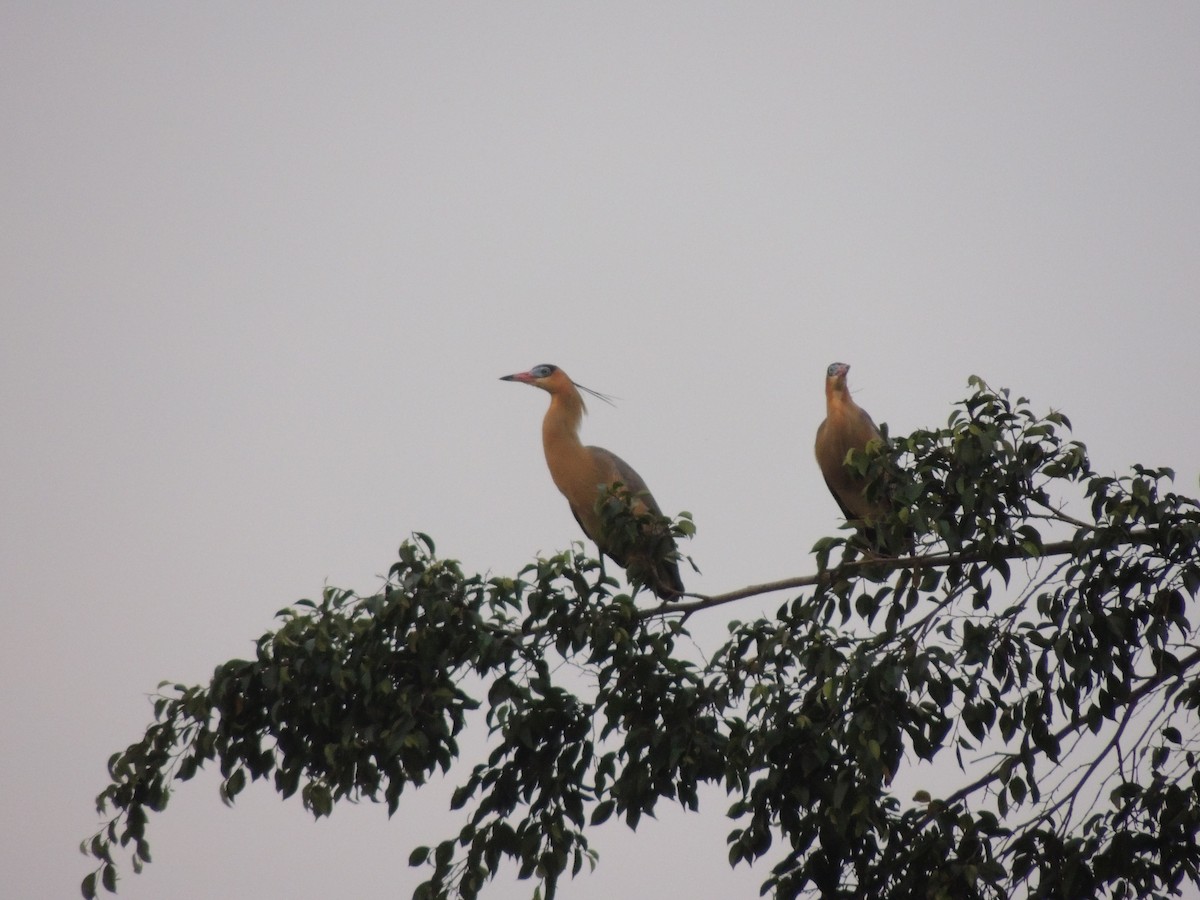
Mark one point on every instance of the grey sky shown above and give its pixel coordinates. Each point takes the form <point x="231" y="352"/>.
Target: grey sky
<point x="264" y="263"/>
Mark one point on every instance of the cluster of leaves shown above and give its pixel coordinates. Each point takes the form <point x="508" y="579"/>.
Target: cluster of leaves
<point x="639" y="538"/>
<point x="965" y="658"/>
<point x="1066" y="694"/>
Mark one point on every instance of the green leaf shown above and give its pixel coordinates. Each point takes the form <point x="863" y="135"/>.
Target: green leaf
<point x="418" y="856"/>
<point x="602" y="812"/>
<point x="234" y="783"/>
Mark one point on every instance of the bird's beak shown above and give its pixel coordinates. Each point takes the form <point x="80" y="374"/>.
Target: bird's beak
<point x="523" y="377"/>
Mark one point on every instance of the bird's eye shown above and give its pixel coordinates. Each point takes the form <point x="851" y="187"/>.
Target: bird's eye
<point x="832" y="370"/>
<point x="543" y="371"/>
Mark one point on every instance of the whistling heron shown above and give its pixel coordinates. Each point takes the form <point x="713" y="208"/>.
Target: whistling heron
<point x="847" y="427"/>
<point x="583" y="473"/>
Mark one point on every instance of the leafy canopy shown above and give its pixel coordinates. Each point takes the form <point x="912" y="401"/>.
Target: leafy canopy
<point x="1049" y="659"/>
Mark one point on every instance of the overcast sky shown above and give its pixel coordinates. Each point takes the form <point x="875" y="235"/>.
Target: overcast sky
<point x="264" y="263"/>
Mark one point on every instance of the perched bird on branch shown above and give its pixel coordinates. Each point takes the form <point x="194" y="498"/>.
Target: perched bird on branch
<point x="584" y="474"/>
<point x="847" y="427"/>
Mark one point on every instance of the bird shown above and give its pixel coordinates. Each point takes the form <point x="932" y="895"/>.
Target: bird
<point x="584" y="473"/>
<point x="847" y="426"/>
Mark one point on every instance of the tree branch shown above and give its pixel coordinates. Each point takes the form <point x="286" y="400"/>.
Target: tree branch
<point x="933" y="560"/>
<point x="1147" y="688"/>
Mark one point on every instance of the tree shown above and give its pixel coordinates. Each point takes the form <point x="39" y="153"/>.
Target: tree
<point x="1050" y="657"/>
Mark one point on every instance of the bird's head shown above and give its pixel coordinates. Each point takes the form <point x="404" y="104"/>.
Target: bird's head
<point x="547" y="377"/>
<point x="837" y="370"/>
<point x="835" y="380"/>
<point x="552" y="380"/>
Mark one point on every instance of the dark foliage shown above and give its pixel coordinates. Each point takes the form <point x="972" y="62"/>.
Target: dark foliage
<point x="1050" y="659"/>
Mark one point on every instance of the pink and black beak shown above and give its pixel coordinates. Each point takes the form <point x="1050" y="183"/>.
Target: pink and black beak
<point x="533" y="376"/>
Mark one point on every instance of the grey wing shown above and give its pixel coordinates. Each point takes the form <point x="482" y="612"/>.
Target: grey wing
<point x="837" y="497"/>
<point x="582" y="527"/>
<point x="621" y="471"/>
<point x="666" y="582"/>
